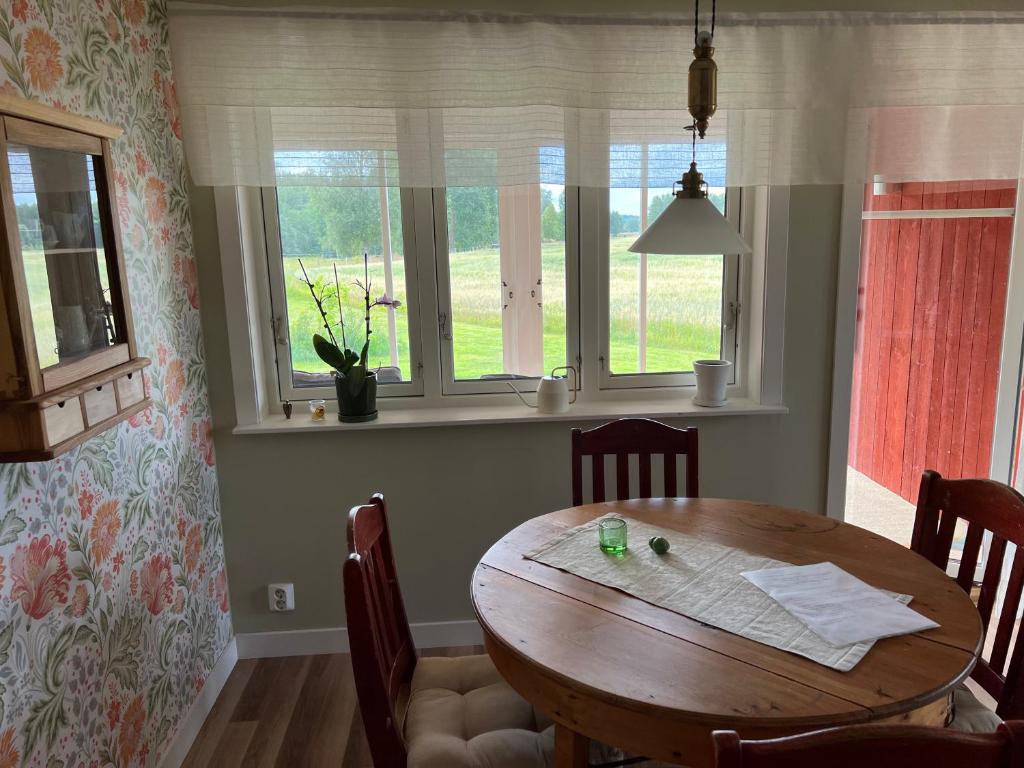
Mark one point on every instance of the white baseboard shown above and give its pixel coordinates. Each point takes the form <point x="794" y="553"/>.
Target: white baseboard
<point x="308" y="642"/>
<point x="193" y="722"/>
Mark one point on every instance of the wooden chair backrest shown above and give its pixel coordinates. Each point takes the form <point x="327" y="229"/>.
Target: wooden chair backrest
<point x="986" y="506"/>
<point x="383" y="654"/>
<point x="643" y="437"/>
<point x="879" y="746"/>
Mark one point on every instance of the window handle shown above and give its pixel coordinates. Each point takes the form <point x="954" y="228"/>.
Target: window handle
<point x="442" y="324"/>
<point x="732" y="315"/>
<point x="276" y="324"/>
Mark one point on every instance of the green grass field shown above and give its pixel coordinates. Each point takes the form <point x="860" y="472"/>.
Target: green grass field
<point x="683" y="311"/>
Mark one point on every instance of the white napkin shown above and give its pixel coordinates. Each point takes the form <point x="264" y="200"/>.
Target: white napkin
<point x="835" y="605"/>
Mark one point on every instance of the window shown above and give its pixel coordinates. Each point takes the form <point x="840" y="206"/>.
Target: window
<point x="322" y="232"/>
<point x="493" y="280"/>
<point x="502" y="285"/>
<point x="661" y="312"/>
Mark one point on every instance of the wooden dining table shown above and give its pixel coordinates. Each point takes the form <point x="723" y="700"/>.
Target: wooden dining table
<point x="607" y="666"/>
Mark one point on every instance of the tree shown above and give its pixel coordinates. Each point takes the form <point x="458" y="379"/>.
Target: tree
<point x="656" y="205"/>
<point x="351" y="219"/>
<point x="472" y="217"/>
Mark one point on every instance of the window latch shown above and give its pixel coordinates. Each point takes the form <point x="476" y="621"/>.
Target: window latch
<point x="442" y="324"/>
<point x="276" y="325"/>
<point x="732" y="315"/>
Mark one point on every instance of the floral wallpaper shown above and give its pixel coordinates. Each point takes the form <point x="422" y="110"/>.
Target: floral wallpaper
<point x="113" y="597"/>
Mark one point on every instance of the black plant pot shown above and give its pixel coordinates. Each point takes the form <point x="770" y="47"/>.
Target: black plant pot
<point x="354" y="407"/>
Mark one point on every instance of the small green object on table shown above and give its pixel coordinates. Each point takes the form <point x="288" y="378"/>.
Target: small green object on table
<point x="659" y="544"/>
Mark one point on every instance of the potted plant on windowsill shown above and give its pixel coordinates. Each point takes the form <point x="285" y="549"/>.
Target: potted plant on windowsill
<point x="356" y="385"/>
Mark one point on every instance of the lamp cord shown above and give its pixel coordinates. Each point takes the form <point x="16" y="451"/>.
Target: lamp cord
<point x="696" y="19"/>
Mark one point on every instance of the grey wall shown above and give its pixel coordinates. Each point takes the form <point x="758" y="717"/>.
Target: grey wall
<point x="454" y="491"/>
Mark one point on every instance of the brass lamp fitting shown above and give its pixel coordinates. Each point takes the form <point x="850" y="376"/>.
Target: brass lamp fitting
<point x="703" y="83"/>
<point x="692" y="183"/>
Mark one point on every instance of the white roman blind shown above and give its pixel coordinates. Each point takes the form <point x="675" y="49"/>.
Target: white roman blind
<point x="430" y="99"/>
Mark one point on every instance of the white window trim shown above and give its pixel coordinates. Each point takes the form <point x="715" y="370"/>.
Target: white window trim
<point x="258" y="402"/>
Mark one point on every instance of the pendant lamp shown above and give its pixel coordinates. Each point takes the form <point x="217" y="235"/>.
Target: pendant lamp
<point x="691" y="224"/>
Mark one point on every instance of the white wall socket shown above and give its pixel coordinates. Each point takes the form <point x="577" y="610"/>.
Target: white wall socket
<point x="281" y="597"/>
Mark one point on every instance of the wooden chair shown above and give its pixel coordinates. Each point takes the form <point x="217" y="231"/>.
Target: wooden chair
<point x="426" y="712"/>
<point x="986" y="506"/>
<point x="878" y="746"/>
<point x="643" y="437"/>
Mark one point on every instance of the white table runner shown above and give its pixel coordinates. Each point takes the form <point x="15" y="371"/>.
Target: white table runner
<point x="698" y="579"/>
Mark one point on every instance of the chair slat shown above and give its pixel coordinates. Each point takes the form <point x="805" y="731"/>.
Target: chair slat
<point x="671" y="485"/>
<point x="644" y="472"/>
<point x="643" y="437"/>
<point x="1008" y="614"/>
<point x="597" y="471"/>
<point x="990" y="583"/>
<point x="969" y="557"/>
<point x="944" y="537"/>
<point x="622" y="476"/>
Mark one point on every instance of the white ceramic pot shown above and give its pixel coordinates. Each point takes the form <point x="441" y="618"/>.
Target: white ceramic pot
<point x="712" y="379"/>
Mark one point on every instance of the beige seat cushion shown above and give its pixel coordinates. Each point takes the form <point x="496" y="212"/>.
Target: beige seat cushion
<point x="461" y="714"/>
<point x="970" y="715"/>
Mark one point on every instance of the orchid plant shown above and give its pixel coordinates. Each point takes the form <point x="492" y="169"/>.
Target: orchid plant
<point x="348" y="364"/>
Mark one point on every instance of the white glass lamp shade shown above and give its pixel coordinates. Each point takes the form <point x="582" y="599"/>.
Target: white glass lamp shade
<point x="690" y="226"/>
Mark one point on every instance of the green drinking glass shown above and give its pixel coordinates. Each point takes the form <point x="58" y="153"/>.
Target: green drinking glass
<point x="611" y="535"/>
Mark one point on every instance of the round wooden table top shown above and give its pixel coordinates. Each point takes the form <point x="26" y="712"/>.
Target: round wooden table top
<point x="612" y="667"/>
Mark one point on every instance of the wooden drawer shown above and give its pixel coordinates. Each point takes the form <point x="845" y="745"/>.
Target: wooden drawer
<point x="130" y="390"/>
<point x="63" y="421"/>
<point x="100" y="403"/>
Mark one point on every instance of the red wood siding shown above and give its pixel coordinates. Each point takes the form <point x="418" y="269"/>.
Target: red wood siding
<point x="932" y="298"/>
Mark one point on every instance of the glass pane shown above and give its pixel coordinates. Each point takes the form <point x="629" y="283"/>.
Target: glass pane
<point x="506" y="258"/>
<point x="57" y="209"/>
<point x="328" y="229"/>
<point x="664" y="311"/>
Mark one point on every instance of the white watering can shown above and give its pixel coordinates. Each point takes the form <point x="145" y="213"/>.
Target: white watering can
<point x="553" y="392"/>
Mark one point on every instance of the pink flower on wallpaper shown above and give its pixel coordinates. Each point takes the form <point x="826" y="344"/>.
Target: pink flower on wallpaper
<point x="169" y="92"/>
<point x="156" y="584"/>
<point x="159" y="427"/>
<point x="131" y="730"/>
<point x="179" y="601"/>
<point x="156" y="200"/>
<point x="202" y="433"/>
<point x="174" y="381"/>
<point x="86" y="499"/>
<point x="113" y="27"/>
<point x="134" y="11"/>
<point x="114" y="713"/>
<point x="193" y="546"/>
<point x="39" y="574"/>
<point x="80" y="602"/>
<point x="221" y="589"/>
<point x="190" y="278"/>
<point x="42" y="59"/>
<point x="9" y="757"/>
<point x="19" y="10"/>
<point x="103" y="534"/>
<point x="141" y="163"/>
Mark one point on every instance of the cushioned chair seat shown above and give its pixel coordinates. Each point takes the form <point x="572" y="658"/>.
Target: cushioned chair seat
<point x="461" y="714"/>
<point x="970" y="715"/>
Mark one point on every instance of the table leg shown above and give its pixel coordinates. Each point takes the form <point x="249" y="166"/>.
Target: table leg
<point x="571" y="748"/>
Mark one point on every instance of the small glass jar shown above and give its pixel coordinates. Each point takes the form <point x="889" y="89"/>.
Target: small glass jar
<point x="317" y="410"/>
<point x="611" y="535"/>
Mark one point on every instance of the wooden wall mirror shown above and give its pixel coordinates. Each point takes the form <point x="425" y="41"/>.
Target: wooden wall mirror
<point x="68" y="362"/>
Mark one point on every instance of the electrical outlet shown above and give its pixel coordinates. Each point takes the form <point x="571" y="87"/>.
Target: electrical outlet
<point x="281" y="597"/>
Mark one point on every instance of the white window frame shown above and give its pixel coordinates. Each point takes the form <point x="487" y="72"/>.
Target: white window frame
<point x="449" y="384"/>
<point x="732" y="303"/>
<point x="279" y="307"/>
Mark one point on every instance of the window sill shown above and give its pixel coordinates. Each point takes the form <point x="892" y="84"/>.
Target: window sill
<point x="447" y="416"/>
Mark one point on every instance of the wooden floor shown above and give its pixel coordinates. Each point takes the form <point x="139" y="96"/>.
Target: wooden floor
<point x="294" y="711"/>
